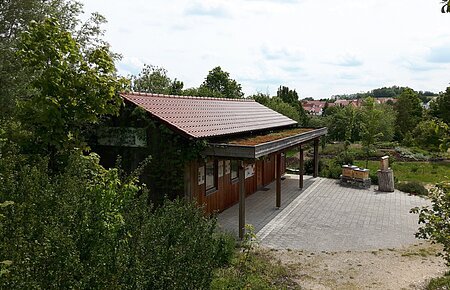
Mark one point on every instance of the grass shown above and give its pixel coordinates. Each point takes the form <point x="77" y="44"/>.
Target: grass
<point x="439" y="283"/>
<point x="423" y="252"/>
<point x="259" y="272"/>
<point x="263" y="138"/>
<point x="423" y="172"/>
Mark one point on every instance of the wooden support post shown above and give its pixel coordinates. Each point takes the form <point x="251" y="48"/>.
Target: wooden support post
<point x="241" y="175"/>
<point x="316" y="157"/>
<point x="187" y="182"/>
<point x="278" y="177"/>
<point x="300" y="168"/>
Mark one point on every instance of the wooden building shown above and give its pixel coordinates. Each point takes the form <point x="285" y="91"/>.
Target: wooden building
<point x="243" y="146"/>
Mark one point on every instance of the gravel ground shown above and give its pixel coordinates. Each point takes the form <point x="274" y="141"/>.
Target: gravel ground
<point x="401" y="268"/>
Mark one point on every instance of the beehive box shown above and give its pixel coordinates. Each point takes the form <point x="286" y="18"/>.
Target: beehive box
<point x="360" y="173"/>
<point x="347" y="171"/>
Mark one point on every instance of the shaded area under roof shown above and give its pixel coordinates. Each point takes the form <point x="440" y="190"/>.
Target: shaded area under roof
<point x="232" y="150"/>
<point x="207" y="117"/>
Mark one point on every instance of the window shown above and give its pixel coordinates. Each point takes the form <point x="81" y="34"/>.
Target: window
<point x="211" y="176"/>
<point x="234" y="169"/>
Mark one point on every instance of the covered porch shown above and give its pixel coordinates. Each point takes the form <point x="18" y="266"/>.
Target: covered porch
<point x="259" y="146"/>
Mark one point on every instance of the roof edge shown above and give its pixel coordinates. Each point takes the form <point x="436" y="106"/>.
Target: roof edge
<point x="184" y="97"/>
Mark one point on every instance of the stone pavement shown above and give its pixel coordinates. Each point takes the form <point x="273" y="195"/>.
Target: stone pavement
<point x="325" y="216"/>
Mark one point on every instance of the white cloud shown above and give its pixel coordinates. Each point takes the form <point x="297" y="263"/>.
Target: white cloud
<point x="320" y="48"/>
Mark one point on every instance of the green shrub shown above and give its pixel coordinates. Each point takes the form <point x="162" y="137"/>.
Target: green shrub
<point x="86" y="228"/>
<point x="373" y="178"/>
<point x="344" y="158"/>
<point x="331" y="170"/>
<point x="434" y="219"/>
<point x="412" y="187"/>
<point x="309" y="166"/>
<point x="260" y="273"/>
<point x="175" y="247"/>
<point x="63" y="229"/>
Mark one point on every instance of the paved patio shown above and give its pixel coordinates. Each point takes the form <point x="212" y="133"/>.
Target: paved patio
<point x="325" y="216"/>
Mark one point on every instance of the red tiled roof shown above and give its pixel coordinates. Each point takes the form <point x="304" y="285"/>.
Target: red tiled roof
<point x="206" y="117"/>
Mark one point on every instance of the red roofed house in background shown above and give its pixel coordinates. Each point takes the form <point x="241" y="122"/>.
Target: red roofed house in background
<point x="214" y="151"/>
<point x="314" y="107"/>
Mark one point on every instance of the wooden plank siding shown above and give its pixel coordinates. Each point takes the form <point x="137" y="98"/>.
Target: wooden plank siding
<point x="227" y="190"/>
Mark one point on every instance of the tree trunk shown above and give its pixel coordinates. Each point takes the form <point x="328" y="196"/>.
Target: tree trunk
<point x="386" y="180"/>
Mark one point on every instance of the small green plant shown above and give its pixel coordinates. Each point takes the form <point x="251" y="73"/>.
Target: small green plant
<point x="309" y="166"/>
<point x="434" y="220"/>
<point x="412" y="187"/>
<point x="373" y="178"/>
<point x="248" y="244"/>
<point x="440" y="283"/>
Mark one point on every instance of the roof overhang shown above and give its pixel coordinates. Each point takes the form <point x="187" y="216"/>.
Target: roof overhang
<point x="259" y="150"/>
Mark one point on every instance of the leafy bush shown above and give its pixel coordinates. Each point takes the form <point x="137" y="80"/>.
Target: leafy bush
<point x="434" y="220"/>
<point x="252" y="269"/>
<point x="419" y="155"/>
<point x="331" y="171"/>
<point x="344" y="158"/>
<point x="309" y="166"/>
<point x="412" y="187"/>
<point x="373" y="177"/>
<point x="429" y="134"/>
<point x="62" y="230"/>
<point x="176" y="247"/>
<point x="85" y="228"/>
<point x="260" y="273"/>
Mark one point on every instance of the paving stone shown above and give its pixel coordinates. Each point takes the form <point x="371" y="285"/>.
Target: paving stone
<point x="325" y="216"/>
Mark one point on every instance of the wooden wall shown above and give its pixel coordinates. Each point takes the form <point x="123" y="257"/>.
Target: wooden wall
<point x="227" y="193"/>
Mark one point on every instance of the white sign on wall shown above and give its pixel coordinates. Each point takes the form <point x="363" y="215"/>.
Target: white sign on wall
<point x="122" y="136"/>
<point x="249" y="170"/>
<point x="201" y="175"/>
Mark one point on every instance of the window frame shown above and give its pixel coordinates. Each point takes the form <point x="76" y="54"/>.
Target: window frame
<point x="234" y="179"/>
<point x="214" y="188"/>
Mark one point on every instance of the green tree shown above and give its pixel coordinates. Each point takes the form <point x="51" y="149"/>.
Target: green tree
<point x="219" y="84"/>
<point x="440" y="107"/>
<point x="431" y="134"/>
<point x="153" y="79"/>
<point x="14" y="19"/>
<point x="261" y="98"/>
<point x="377" y="123"/>
<point x="277" y="104"/>
<point x="283" y="108"/>
<point x="288" y="96"/>
<point x="409" y="113"/>
<point x="70" y="90"/>
<point x="291" y="97"/>
<point x="434" y="219"/>
<point x="342" y="123"/>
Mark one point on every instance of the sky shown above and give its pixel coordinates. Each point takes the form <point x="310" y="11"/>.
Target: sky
<point x="319" y="48"/>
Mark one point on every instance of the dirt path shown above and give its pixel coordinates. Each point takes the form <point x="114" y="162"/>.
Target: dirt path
<point x="405" y="268"/>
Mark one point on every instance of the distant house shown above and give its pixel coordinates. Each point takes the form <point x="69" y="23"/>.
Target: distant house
<point x="243" y="147"/>
<point x="385" y="100"/>
<point x="314" y="107"/>
<point x="344" y="103"/>
<point x="426" y="105"/>
<point x="356" y="103"/>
